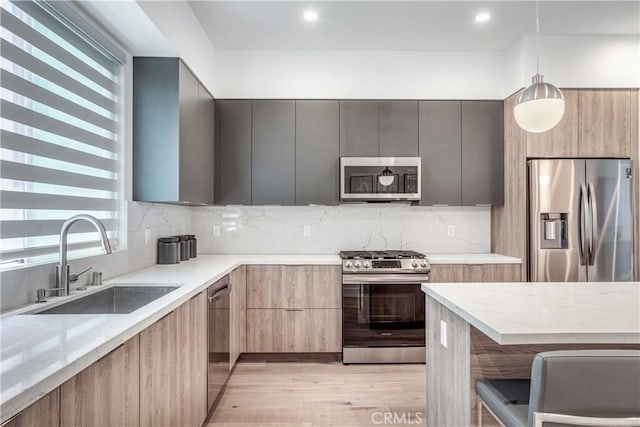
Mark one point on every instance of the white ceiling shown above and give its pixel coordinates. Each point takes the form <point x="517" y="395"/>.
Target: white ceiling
<point x="405" y="25"/>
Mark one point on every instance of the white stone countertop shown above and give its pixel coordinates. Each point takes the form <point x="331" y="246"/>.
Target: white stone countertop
<point x="546" y="313"/>
<point x="485" y="258"/>
<point x="40" y="352"/>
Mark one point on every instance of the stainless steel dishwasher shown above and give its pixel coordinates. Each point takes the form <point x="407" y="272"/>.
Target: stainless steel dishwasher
<point x="218" y="324"/>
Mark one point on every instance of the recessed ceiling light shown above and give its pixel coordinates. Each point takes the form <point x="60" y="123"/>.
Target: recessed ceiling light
<point x="310" y="15"/>
<point x="483" y="17"/>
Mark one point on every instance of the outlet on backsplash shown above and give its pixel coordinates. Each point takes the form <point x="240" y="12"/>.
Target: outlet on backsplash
<point x="215" y="231"/>
<point x="147" y="235"/>
<point x="451" y="230"/>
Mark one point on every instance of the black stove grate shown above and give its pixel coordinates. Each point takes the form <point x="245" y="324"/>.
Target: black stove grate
<point x="381" y="254"/>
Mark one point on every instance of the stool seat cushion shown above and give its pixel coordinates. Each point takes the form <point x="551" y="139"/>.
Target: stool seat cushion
<point x="508" y="399"/>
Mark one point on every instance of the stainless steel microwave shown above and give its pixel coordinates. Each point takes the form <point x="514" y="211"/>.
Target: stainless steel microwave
<point x="380" y="179"/>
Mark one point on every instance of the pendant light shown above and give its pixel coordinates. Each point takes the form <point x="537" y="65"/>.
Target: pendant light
<point x="539" y="107"/>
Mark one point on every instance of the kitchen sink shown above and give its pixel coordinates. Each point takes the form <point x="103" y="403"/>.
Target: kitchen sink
<point x="115" y="300"/>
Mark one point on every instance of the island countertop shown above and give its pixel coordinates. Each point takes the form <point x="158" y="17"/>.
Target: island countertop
<point x="546" y="313"/>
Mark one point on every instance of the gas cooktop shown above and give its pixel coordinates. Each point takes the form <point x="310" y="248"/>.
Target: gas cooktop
<point x="381" y="255"/>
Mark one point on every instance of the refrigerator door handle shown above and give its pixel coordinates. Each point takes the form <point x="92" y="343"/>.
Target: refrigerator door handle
<point x="582" y="235"/>
<point x="593" y="232"/>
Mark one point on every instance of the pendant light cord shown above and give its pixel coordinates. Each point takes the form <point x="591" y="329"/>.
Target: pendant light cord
<point x="537" y="36"/>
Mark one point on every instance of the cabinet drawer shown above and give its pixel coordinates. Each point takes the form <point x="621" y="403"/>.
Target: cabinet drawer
<point x="283" y="286"/>
<point x="294" y="330"/>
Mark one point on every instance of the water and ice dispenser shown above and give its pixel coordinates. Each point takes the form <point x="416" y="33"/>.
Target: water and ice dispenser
<point x="553" y="231"/>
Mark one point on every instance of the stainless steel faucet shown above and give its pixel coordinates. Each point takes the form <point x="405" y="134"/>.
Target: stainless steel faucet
<point x="63" y="278"/>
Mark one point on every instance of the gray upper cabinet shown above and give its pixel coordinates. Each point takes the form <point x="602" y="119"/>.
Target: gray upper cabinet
<point x="359" y="129"/>
<point x="398" y="128"/>
<point x="440" y="150"/>
<point x="273" y="152"/>
<point x="170" y="144"/>
<point x="482" y="153"/>
<point x="317" y="152"/>
<point x="233" y="176"/>
<point x="206" y="119"/>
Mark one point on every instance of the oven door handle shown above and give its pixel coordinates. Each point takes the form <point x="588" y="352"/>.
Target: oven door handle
<point x="384" y="279"/>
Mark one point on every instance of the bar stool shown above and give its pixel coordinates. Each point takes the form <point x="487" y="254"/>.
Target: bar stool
<point x="569" y="388"/>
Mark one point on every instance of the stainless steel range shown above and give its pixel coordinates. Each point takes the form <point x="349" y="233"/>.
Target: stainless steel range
<point x="383" y="307"/>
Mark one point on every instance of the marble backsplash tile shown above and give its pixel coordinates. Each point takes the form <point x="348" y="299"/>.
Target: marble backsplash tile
<point x="276" y="229"/>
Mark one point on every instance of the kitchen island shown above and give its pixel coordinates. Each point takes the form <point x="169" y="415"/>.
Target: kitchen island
<point x="493" y="330"/>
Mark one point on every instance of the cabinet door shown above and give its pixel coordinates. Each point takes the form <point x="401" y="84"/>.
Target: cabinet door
<point x="440" y="151"/>
<point x="605" y="122"/>
<point x="482" y="153"/>
<point x="190" y="146"/>
<point x="317" y="152"/>
<point x="191" y="368"/>
<point x="492" y="273"/>
<point x="234" y="164"/>
<point x="273" y="153"/>
<point x="206" y="144"/>
<point x="398" y="129"/>
<point x="446" y="273"/>
<point x="45" y="412"/>
<point x="293" y="287"/>
<point x="562" y="140"/>
<point x="294" y="330"/>
<point x="159" y="405"/>
<point x="105" y="393"/>
<point x="238" y="339"/>
<point x="359" y="129"/>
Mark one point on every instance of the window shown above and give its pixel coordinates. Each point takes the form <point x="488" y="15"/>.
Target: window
<point x="60" y="148"/>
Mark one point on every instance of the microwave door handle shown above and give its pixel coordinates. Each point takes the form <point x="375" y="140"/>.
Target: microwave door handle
<point x="593" y="232"/>
<point x="582" y="232"/>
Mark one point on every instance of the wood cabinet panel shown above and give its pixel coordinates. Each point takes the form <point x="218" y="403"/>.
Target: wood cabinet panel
<point x="605" y="122"/>
<point x="273" y="152"/>
<point x="294" y="330"/>
<point x="158" y="373"/>
<point x="233" y="171"/>
<point x="191" y="368"/>
<point x="492" y="273"/>
<point x="446" y="273"/>
<point x="44" y="412"/>
<point x="107" y="392"/>
<point x="441" y="152"/>
<point x="482" y="153"/>
<point x="281" y="286"/>
<point x="398" y="128"/>
<point x="359" y="129"/>
<point x="317" y="152"/>
<point x="562" y="140"/>
<point x="238" y="338"/>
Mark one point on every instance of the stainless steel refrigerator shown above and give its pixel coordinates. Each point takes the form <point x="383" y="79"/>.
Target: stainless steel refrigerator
<point x="580" y="220"/>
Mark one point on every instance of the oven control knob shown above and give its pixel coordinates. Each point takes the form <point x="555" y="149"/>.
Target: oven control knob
<point x="357" y="264"/>
<point x="423" y="264"/>
<point x="348" y="264"/>
<point x="414" y="264"/>
<point x="366" y="264"/>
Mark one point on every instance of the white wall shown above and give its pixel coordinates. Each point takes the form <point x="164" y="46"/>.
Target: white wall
<point x="359" y="74"/>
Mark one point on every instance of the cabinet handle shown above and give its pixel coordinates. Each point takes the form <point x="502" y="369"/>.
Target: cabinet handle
<point x="294" y="309"/>
<point x="11" y="419"/>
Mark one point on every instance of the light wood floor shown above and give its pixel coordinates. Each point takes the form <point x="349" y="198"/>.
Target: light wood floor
<point x="286" y="394"/>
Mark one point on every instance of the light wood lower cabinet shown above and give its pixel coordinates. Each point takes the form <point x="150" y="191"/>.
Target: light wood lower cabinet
<point x="294" y="330"/>
<point x="107" y="392"/>
<point x="454" y="273"/>
<point x="238" y="338"/>
<point x="191" y="345"/>
<point x="43" y="413"/>
<point x="158" y="373"/>
<point x="294" y="286"/>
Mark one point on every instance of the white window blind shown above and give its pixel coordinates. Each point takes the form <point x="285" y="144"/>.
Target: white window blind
<point x="59" y="135"/>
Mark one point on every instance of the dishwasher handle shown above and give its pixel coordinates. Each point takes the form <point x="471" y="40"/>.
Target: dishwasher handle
<point x="219" y="293"/>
